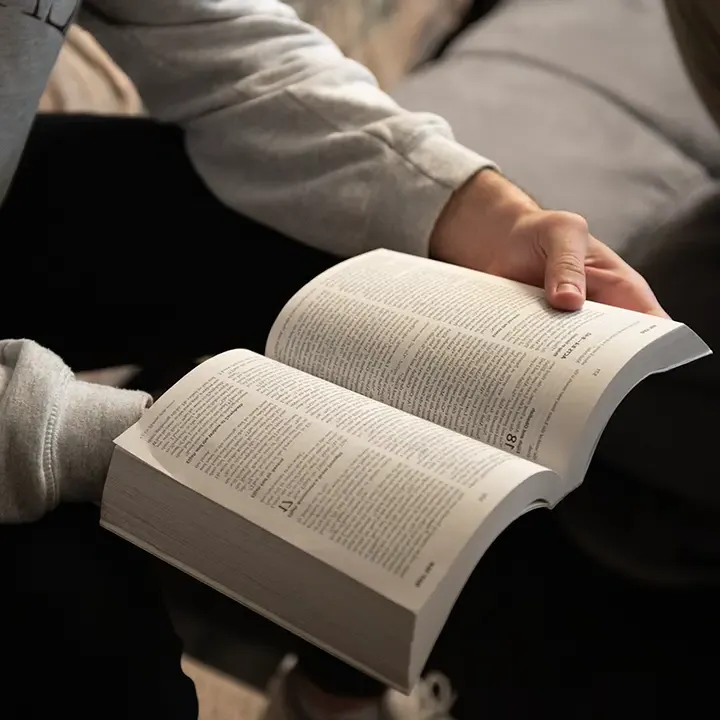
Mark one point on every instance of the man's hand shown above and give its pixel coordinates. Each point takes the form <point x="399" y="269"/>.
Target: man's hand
<point x="491" y="225"/>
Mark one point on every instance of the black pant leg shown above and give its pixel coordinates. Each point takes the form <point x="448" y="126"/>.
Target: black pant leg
<point x="115" y="251"/>
<point x="85" y="631"/>
<point x="541" y="630"/>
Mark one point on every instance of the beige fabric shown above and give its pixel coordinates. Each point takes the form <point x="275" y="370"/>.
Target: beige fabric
<point x="389" y="36"/>
<point x="85" y="79"/>
<point x="221" y="697"/>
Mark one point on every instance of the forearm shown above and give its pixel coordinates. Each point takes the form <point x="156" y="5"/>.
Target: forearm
<point x="282" y="126"/>
<point x="56" y="432"/>
<point x="696" y="24"/>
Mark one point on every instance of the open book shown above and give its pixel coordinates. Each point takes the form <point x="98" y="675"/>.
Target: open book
<point x="407" y="412"/>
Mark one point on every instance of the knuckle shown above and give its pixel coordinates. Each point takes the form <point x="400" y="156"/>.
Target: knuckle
<point x="633" y="280"/>
<point x="561" y="220"/>
<point x="577" y="222"/>
<point x="569" y="264"/>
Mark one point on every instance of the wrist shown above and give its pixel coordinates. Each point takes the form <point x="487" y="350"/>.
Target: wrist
<point x="487" y="206"/>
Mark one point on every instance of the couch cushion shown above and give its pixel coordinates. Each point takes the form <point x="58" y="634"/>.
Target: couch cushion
<point x="584" y="104"/>
<point x="621" y="48"/>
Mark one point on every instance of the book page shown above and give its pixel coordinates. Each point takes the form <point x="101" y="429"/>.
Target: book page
<point x="383" y="496"/>
<point x="478" y="354"/>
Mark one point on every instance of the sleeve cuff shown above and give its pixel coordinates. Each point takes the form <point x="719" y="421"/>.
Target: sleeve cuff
<point x="434" y="170"/>
<point x="91" y="417"/>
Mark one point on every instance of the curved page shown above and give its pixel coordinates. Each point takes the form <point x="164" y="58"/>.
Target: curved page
<point x="481" y="355"/>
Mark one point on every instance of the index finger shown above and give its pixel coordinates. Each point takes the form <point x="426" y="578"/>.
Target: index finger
<point x="611" y="281"/>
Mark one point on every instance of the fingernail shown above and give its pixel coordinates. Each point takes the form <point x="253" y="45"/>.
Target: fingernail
<point x="568" y="288"/>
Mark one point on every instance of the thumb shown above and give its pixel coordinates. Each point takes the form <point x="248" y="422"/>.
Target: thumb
<point x="564" y="243"/>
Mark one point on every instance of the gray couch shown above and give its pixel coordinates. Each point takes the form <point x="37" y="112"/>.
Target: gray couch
<point x="583" y="103"/>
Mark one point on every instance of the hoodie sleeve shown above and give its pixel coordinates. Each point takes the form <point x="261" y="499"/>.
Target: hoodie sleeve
<point x="282" y="126"/>
<point x="56" y="432"/>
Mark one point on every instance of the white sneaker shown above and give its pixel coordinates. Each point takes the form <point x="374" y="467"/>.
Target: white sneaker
<point x="431" y="699"/>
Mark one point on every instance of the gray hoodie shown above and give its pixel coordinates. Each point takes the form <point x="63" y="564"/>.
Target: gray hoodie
<point x="279" y="124"/>
<point x="56" y="433"/>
